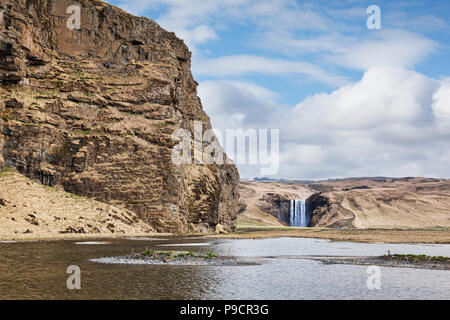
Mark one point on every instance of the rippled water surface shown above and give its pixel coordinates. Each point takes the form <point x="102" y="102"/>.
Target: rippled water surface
<point x="37" y="270"/>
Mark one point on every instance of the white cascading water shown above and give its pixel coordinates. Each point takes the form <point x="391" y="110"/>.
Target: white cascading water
<point x="298" y="216"/>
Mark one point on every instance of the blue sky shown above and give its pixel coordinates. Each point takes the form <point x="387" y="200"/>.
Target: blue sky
<point x="315" y="70"/>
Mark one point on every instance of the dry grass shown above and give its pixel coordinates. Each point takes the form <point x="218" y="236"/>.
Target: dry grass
<point x="29" y="210"/>
<point x="354" y="235"/>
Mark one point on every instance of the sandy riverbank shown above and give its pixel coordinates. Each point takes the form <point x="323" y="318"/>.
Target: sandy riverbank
<point x="353" y="235"/>
<point x="433" y="236"/>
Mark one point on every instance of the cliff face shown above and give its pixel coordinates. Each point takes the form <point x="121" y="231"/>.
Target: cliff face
<point x="380" y="208"/>
<point x="93" y="109"/>
<point x="355" y="203"/>
<point x="326" y="211"/>
<point x="269" y="202"/>
<point x="381" y="203"/>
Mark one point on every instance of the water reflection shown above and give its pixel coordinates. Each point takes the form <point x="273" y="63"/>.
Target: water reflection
<point x="37" y="270"/>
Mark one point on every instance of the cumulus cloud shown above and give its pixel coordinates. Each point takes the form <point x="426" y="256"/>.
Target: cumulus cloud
<point x="198" y="22"/>
<point x="389" y="48"/>
<point x="441" y="106"/>
<point x="238" y="104"/>
<point x="382" y="48"/>
<point x="247" y="64"/>
<point x="393" y="122"/>
<point x="383" y="96"/>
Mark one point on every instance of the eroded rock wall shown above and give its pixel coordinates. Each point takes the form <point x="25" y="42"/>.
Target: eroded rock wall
<point x="326" y="210"/>
<point x="94" y="109"/>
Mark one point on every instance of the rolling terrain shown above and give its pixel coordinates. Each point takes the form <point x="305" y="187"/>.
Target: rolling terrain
<point x="353" y="203"/>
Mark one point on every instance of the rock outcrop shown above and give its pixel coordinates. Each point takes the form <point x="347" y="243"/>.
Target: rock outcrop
<point x="269" y="202"/>
<point x="93" y="110"/>
<point x="379" y="208"/>
<point x="326" y="211"/>
<point x="381" y="203"/>
<point x="355" y="203"/>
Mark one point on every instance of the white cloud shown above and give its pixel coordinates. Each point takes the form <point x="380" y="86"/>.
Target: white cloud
<point x="303" y="154"/>
<point x="421" y="23"/>
<point x="393" y="122"/>
<point x="390" y="48"/>
<point x="134" y="8"/>
<point x="246" y="64"/>
<point x="383" y="96"/>
<point x="237" y="104"/>
<point x="441" y="106"/>
<point x="191" y="20"/>
<point x="197" y="35"/>
<point x="380" y="48"/>
<point x="290" y="28"/>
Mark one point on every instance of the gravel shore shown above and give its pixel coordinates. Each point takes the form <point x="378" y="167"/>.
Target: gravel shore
<point x="185" y="261"/>
<point x="383" y="261"/>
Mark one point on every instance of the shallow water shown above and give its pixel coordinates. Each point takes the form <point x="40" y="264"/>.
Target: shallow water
<point x="37" y="270"/>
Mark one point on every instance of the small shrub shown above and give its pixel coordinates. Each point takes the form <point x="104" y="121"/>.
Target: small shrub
<point x="148" y="252"/>
<point x="210" y="255"/>
<point x="6" y="171"/>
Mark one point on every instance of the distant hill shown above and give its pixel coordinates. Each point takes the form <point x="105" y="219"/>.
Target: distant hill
<point x="368" y="202"/>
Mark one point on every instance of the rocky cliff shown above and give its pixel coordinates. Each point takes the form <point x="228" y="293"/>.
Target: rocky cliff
<point x="93" y="109"/>
<point x="268" y="202"/>
<point x="381" y="203"/>
<point x="354" y="203"/>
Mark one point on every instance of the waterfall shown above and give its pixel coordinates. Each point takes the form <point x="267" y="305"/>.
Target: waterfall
<point x="298" y="216"/>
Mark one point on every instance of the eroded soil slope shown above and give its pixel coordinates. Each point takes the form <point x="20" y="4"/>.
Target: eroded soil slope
<point x="30" y="209"/>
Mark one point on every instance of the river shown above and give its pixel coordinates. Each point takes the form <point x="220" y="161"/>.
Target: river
<point x="37" y="270"/>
